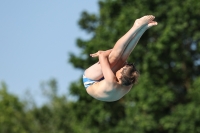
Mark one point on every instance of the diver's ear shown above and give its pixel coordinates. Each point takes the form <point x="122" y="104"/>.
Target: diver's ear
<point x="120" y="76"/>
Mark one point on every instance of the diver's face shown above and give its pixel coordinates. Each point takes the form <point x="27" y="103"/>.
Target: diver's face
<point x="119" y="72"/>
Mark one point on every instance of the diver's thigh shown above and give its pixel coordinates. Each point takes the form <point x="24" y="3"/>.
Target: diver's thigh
<point x="94" y="72"/>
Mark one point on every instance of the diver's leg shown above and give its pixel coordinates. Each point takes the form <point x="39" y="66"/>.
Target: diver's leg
<point x="131" y="45"/>
<point x="124" y="41"/>
<point x="94" y="72"/>
<point x="135" y="40"/>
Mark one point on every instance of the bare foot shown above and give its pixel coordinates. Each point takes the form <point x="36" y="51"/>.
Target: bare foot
<point x="152" y="23"/>
<point x="143" y="21"/>
<point x="147" y="26"/>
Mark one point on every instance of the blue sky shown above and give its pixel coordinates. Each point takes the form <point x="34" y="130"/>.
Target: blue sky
<point x="35" y="39"/>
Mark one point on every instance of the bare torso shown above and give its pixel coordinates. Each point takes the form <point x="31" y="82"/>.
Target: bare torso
<point x="106" y="91"/>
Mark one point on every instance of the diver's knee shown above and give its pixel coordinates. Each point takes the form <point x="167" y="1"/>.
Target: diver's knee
<point x="113" y="59"/>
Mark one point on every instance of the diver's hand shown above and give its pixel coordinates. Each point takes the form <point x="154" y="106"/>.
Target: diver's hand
<point x="100" y="52"/>
<point x="96" y="54"/>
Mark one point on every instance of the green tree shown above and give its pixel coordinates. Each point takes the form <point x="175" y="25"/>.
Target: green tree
<point x="57" y="115"/>
<point x="13" y="116"/>
<point x="165" y="99"/>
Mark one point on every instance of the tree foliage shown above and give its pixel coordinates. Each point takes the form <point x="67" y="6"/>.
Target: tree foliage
<point x="13" y="117"/>
<point x="167" y="57"/>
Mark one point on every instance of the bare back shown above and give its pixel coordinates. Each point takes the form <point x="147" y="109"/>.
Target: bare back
<point x="107" y="91"/>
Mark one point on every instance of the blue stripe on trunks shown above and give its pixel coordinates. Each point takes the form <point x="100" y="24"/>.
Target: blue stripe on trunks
<point x="87" y="82"/>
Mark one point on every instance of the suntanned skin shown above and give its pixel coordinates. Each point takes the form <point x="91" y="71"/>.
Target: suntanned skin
<point x="112" y="62"/>
<point x="109" y="89"/>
